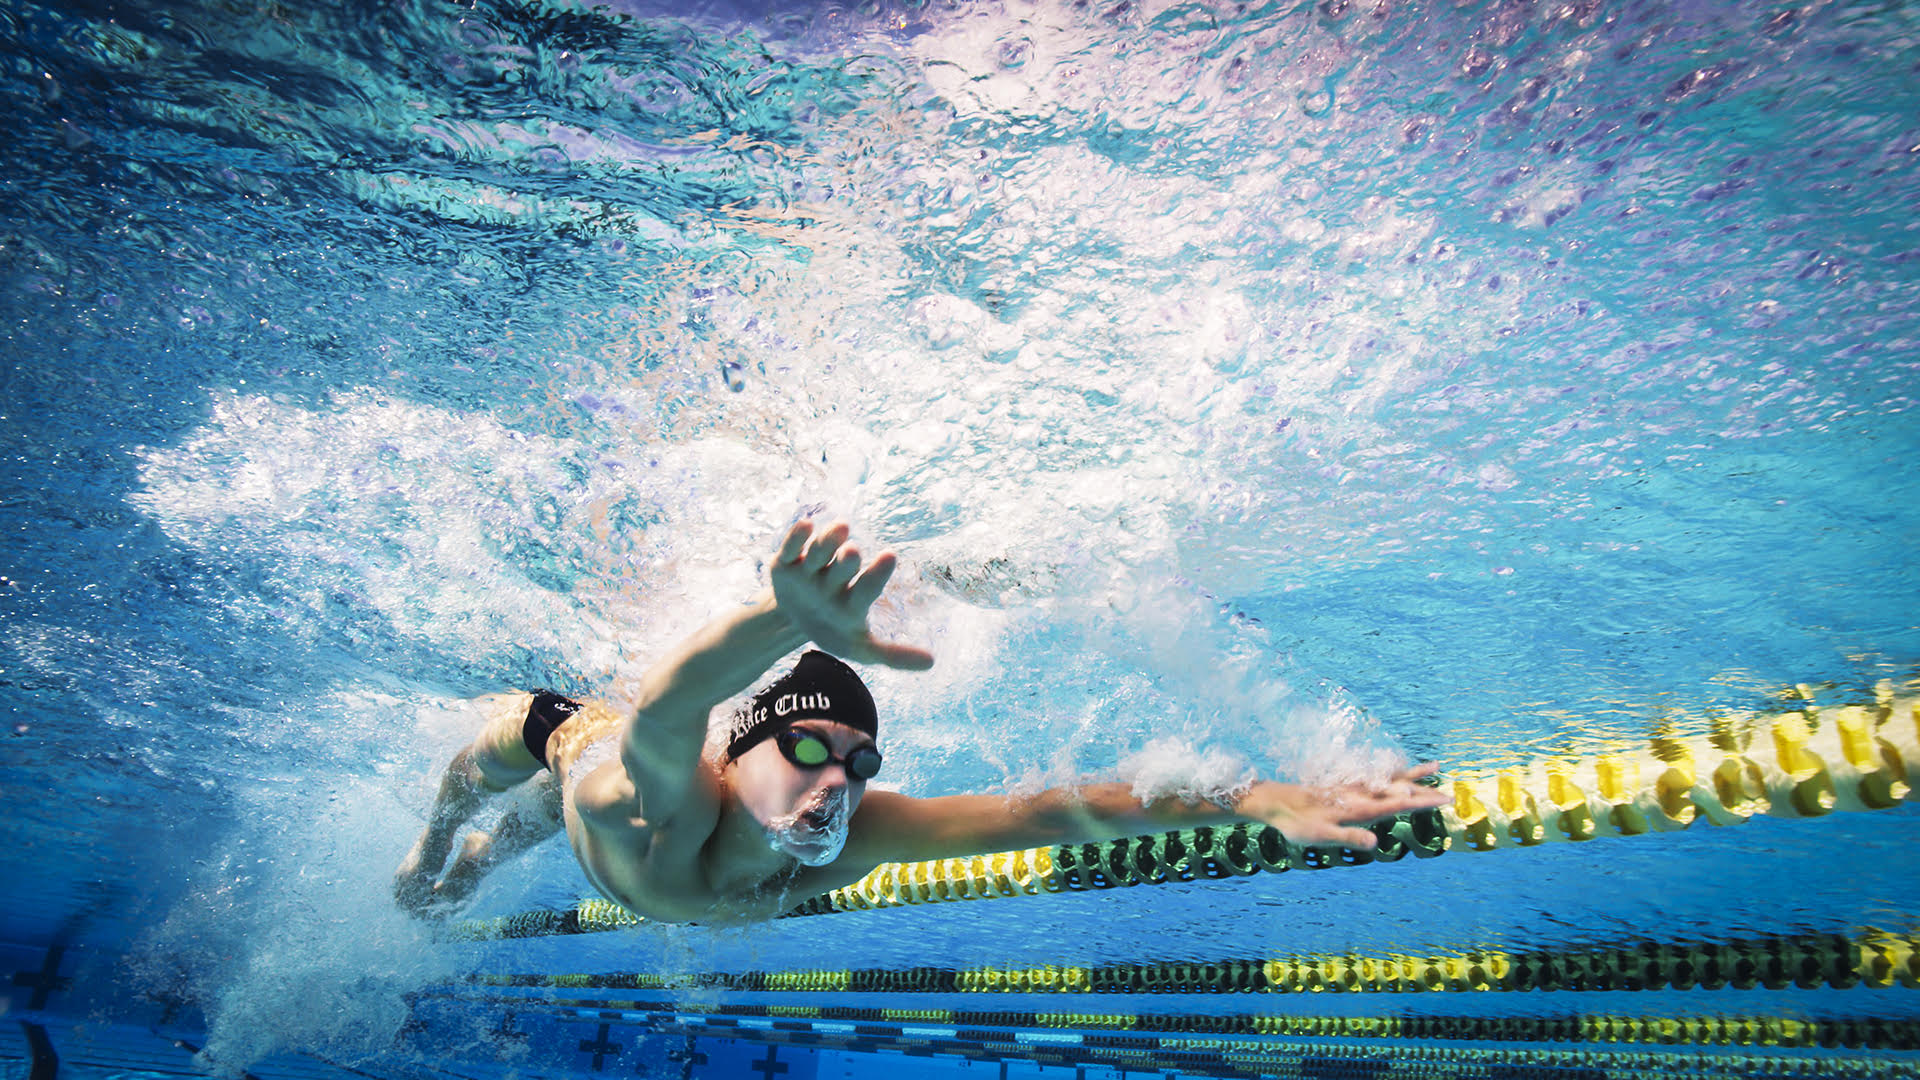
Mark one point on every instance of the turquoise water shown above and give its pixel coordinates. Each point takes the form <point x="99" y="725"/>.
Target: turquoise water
<point x="1248" y="389"/>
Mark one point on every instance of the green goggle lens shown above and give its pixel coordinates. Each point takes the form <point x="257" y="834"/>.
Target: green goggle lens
<point x="810" y="752"/>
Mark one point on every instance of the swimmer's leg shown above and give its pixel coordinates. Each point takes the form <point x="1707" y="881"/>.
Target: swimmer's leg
<point x="496" y="761"/>
<point x="521" y="828"/>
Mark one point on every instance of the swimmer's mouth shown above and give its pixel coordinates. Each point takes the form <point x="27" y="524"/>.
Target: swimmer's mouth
<point x="818" y="820"/>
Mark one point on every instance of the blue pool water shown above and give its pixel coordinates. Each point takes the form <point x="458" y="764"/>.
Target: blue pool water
<point x="1288" y="390"/>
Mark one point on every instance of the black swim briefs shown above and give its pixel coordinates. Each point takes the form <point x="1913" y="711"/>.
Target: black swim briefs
<point x="548" y="711"/>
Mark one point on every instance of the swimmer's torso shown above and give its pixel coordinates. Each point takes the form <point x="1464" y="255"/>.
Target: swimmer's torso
<point x="658" y="871"/>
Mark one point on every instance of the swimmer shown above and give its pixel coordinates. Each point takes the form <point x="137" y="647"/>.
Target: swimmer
<point x="675" y="833"/>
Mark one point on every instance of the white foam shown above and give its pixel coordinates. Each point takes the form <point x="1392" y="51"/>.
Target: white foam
<point x="295" y="908"/>
<point x="406" y="506"/>
<point x="1175" y="767"/>
<point x="1075" y="479"/>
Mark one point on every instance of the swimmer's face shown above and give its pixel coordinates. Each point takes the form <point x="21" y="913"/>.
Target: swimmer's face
<point x="805" y="812"/>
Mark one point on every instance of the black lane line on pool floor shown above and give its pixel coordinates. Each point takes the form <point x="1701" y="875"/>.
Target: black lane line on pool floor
<point x="46" y="1063"/>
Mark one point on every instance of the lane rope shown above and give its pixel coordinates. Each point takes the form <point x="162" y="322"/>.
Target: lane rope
<point x="1805" y="762"/>
<point x="1851" y="1032"/>
<point x="1874" y="960"/>
<point x="1606" y="1045"/>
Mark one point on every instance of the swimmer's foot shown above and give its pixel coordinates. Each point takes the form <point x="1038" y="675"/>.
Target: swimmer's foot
<point x="475" y="859"/>
<point x="413" y="881"/>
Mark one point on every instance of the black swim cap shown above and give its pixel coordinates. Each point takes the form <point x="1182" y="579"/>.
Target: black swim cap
<point x="818" y="688"/>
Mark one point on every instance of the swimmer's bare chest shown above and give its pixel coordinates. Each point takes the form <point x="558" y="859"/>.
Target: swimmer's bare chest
<point x="659" y="872"/>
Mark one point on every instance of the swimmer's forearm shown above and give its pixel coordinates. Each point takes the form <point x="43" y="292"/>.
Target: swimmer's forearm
<point x="918" y="829"/>
<point x="722" y="658"/>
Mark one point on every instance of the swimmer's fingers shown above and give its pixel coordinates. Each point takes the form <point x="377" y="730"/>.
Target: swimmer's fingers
<point x="1403" y="797"/>
<point x="866" y="649"/>
<point x="825" y="546"/>
<point x="1406" y="779"/>
<point x="1357" y="839"/>
<point x="1320" y="816"/>
<point x="896" y="655"/>
<point x="794" y="542"/>
<point x="1341" y="822"/>
<point x="860" y="596"/>
<point x="839" y="573"/>
<point x="873" y="581"/>
<point x="1320" y="832"/>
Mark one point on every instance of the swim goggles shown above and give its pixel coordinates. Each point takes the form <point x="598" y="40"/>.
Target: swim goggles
<point x="810" y="752"/>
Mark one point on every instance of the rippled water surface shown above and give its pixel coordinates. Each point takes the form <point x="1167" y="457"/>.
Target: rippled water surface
<point x="1312" y="384"/>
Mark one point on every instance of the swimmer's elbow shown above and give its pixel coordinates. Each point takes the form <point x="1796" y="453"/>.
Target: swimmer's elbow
<point x="661" y="758"/>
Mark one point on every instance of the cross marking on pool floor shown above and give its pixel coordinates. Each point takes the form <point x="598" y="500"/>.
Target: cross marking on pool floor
<point x="46" y="980"/>
<point x="772" y="1065"/>
<point x="46" y="1063"/>
<point x="601" y="1047"/>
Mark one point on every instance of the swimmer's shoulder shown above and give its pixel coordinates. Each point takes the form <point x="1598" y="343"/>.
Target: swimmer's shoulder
<point x="609" y="802"/>
<point x="652" y="868"/>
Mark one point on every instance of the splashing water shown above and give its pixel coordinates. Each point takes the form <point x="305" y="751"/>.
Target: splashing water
<point x="1249" y="391"/>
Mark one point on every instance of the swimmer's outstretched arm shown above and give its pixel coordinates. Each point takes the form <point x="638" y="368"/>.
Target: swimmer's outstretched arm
<point x="894" y="828"/>
<point x="820" y="592"/>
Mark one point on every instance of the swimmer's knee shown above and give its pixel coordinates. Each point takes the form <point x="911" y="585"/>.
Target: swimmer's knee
<point x="480" y="771"/>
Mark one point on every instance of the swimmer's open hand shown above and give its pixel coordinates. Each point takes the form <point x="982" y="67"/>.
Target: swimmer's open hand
<point x="1314" y="816"/>
<point x="820" y="584"/>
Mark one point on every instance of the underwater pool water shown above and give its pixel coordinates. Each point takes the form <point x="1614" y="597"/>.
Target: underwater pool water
<point x="1249" y="389"/>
